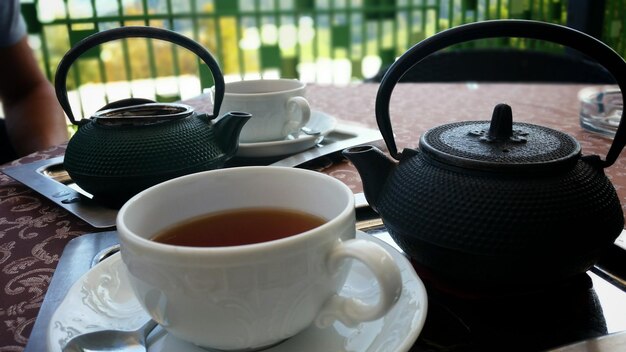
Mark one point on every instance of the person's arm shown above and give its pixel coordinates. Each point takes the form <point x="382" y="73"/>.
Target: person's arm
<point x="33" y="117"/>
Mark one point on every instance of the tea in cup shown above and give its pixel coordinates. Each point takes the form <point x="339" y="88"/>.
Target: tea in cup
<point x="278" y="107"/>
<point x="244" y="258"/>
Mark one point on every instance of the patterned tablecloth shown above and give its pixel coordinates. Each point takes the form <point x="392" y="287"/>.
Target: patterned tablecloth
<point x="34" y="231"/>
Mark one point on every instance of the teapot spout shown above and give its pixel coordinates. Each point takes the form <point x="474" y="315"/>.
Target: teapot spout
<point x="227" y="130"/>
<point x="373" y="167"/>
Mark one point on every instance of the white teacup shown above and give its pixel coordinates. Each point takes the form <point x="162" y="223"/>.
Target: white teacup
<point x="247" y="297"/>
<point x="278" y="107"/>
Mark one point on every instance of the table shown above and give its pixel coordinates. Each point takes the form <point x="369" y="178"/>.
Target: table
<point x="33" y="231"/>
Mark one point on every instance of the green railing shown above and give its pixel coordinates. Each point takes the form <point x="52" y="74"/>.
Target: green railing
<point x="327" y="41"/>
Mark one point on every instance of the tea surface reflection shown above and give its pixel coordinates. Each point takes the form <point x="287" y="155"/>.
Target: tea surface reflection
<point x="238" y="227"/>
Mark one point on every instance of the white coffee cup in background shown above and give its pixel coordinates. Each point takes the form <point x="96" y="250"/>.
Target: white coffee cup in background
<point x="278" y="107"/>
<point x="249" y="296"/>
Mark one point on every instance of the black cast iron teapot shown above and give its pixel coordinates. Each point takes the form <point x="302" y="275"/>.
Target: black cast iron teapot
<point x="495" y="204"/>
<point x="132" y="144"/>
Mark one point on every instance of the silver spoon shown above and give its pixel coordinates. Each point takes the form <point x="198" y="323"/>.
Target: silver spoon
<point x="310" y="131"/>
<point x="112" y="340"/>
<point x="306" y="130"/>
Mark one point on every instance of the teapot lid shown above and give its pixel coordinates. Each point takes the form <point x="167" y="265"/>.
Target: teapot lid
<point x="500" y="144"/>
<point x="142" y="114"/>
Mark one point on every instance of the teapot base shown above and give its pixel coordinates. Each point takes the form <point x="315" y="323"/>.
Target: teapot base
<point x="473" y="290"/>
<point x="479" y="275"/>
<point x="111" y="202"/>
<point x="114" y="191"/>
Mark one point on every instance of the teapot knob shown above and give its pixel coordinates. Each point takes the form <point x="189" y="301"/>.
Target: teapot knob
<point x="501" y="127"/>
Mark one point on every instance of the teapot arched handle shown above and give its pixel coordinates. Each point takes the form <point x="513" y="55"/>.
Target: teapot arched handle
<point x="558" y="34"/>
<point x="60" y="79"/>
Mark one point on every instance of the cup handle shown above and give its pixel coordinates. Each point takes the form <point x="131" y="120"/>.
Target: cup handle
<point x="352" y="311"/>
<point x="294" y="105"/>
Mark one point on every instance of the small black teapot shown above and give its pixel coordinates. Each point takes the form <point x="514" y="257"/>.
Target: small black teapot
<point x="495" y="204"/>
<point x="132" y="144"/>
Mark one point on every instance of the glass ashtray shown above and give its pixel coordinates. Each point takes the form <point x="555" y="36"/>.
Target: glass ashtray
<point x="601" y="109"/>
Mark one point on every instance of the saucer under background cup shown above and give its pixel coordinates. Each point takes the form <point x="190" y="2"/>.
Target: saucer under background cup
<point x="319" y="121"/>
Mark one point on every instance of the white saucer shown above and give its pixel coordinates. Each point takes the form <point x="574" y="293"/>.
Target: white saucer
<point x="319" y="122"/>
<point x="102" y="299"/>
